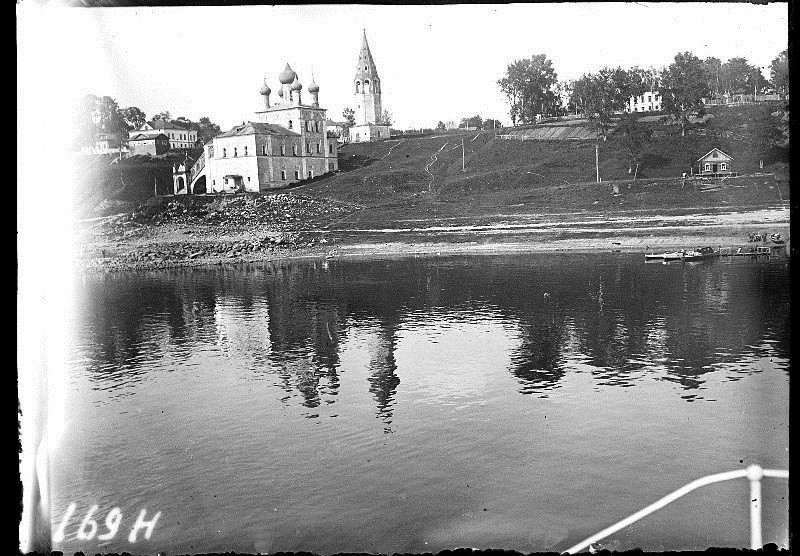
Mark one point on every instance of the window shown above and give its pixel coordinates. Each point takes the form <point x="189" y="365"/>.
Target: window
<point x="723" y="166"/>
<point x="308" y="148"/>
<point x="224" y="153"/>
<point x="264" y="150"/>
<point x="307" y="128"/>
<point x="213" y="182"/>
<point x="311" y="173"/>
<point x="379" y="133"/>
<point x="290" y="124"/>
<point x="283" y="174"/>
<point x="294" y="150"/>
<point x="248" y="179"/>
<point x="330" y="148"/>
<point x="358" y="86"/>
<point x="235" y="153"/>
<point x="708" y="167"/>
<point x="316" y="126"/>
<point x="296" y="175"/>
<point x="245" y="151"/>
<point x="319" y="148"/>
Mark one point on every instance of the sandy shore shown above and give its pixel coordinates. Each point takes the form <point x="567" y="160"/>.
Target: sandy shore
<point x="191" y="245"/>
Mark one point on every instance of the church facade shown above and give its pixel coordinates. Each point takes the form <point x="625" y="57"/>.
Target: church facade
<point x="285" y="143"/>
<point x="368" y="106"/>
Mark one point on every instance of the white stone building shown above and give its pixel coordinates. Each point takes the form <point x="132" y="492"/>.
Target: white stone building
<point x="646" y="102"/>
<point x="368" y="105"/>
<point x="287" y="142"/>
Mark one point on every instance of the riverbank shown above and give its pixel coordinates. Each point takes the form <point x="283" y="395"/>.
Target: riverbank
<point x="230" y="237"/>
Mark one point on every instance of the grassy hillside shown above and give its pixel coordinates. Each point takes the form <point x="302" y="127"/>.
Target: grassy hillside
<point x="390" y="179"/>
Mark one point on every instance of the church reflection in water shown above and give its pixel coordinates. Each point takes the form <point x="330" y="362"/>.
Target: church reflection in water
<point x="617" y="319"/>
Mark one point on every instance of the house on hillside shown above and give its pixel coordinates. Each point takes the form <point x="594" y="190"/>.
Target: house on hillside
<point x="106" y="143"/>
<point x="714" y="162"/>
<point x="178" y="134"/>
<point x="339" y="129"/>
<point x="646" y="102"/>
<point x="153" y="145"/>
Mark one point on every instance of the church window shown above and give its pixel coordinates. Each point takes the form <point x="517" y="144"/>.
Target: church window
<point x="224" y="153"/>
<point x="245" y="150"/>
<point x="283" y="174"/>
<point x="358" y="86"/>
<point x="316" y="126"/>
<point x="308" y="148"/>
<point x="294" y="150"/>
<point x="283" y="150"/>
<point x="307" y="126"/>
<point x="319" y="149"/>
<point x="330" y="148"/>
<point x="235" y="153"/>
<point x="366" y="85"/>
<point x="366" y="68"/>
<point x="311" y="173"/>
<point x="379" y="133"/>
<point x="296" y="175"/>
<point x="290" y="124"/>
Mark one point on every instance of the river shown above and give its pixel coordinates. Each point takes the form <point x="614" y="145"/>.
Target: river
<point x="387" y="405"/>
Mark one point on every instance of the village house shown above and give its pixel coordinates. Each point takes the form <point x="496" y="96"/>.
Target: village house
<point x="369" y="108"/>
<point x="714" y="162"/>
<point x="287" y="142"/>
<point x="154" y="145"/>
<point x="178" y="134"/>
<point x="106" y="143"/>
<point x="339" y="129"/>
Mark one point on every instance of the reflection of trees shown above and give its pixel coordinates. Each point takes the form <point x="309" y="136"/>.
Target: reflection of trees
<point x="679" y="321"/>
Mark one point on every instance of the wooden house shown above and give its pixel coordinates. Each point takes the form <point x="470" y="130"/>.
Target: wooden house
<point x="715" y="162"/>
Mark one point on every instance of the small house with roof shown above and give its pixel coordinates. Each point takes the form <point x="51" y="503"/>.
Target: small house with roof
<point x="153" y="145"/>
<point x="715" y="162"/>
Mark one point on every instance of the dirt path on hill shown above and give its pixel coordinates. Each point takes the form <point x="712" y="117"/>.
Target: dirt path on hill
<point x="434" y="157"/>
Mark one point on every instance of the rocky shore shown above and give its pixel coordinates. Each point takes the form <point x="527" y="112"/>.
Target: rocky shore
<point x="212" y="230"/>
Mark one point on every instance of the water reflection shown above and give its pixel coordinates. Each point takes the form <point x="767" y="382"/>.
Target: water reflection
<point x="616" y="318"/>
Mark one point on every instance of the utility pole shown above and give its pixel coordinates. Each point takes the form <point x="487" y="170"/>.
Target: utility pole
<point x="597" y="160"/>
<point x="463" y="166"/>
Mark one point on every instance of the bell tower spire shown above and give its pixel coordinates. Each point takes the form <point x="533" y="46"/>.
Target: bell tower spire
<point x="367" y="86"/>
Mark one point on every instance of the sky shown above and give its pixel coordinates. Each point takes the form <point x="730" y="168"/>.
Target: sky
<point x="435" y="62"/>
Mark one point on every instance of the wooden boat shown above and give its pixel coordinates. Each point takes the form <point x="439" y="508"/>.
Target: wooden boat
<point x="693" y="255"/>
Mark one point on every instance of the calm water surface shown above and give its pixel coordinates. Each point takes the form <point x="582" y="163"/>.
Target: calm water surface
<point x="424" y="404"/>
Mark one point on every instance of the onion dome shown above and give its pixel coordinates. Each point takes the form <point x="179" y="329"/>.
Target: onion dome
<point x="313" y="88"/>
<point x="287" y="75"/>
<point x="296" y="86"/>
<point x="265" y="90"/>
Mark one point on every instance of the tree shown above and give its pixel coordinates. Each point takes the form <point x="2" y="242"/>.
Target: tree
<point x="779" y="73"/>
<point x="134" y="117"/>
<point x="684" y="87"/>
<point x="165" y="115"/>
<point x="474" y="121"/>
<point x="765" y="133"/>
<point x="490" y="124"/>
<point x="733" y="74"/>
<point x="712" y="68"/>
<point x="349" y="116"/>
<point x="756" y="81"/>
<point x="605" y="93"/>
<point x="528" y="85"/>
<point x="206" y="130"/>
<point x="440" y="126"/>
<point x="634" y="137"/>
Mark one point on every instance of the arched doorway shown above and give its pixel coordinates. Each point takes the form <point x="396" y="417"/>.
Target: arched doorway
<point x="200" y="186"/>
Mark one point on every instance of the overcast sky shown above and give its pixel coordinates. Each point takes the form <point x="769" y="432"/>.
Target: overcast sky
<point x="435" y="62"/>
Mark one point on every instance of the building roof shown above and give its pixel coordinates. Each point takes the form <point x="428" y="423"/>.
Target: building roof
<point x="365" y="61"/>
<point x="258" y="128"/>
<point x="724" y="155"/>
<point x="144" y="137"/>
<point x="287" y="75"/>
<point x="162" y="124"/>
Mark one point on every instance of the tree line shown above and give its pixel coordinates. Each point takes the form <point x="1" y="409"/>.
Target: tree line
<point x="532" y="88"/>
<point x="95" y="115"/>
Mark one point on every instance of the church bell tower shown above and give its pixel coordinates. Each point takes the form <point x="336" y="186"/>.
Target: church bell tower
<point x="368" y="109"/>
